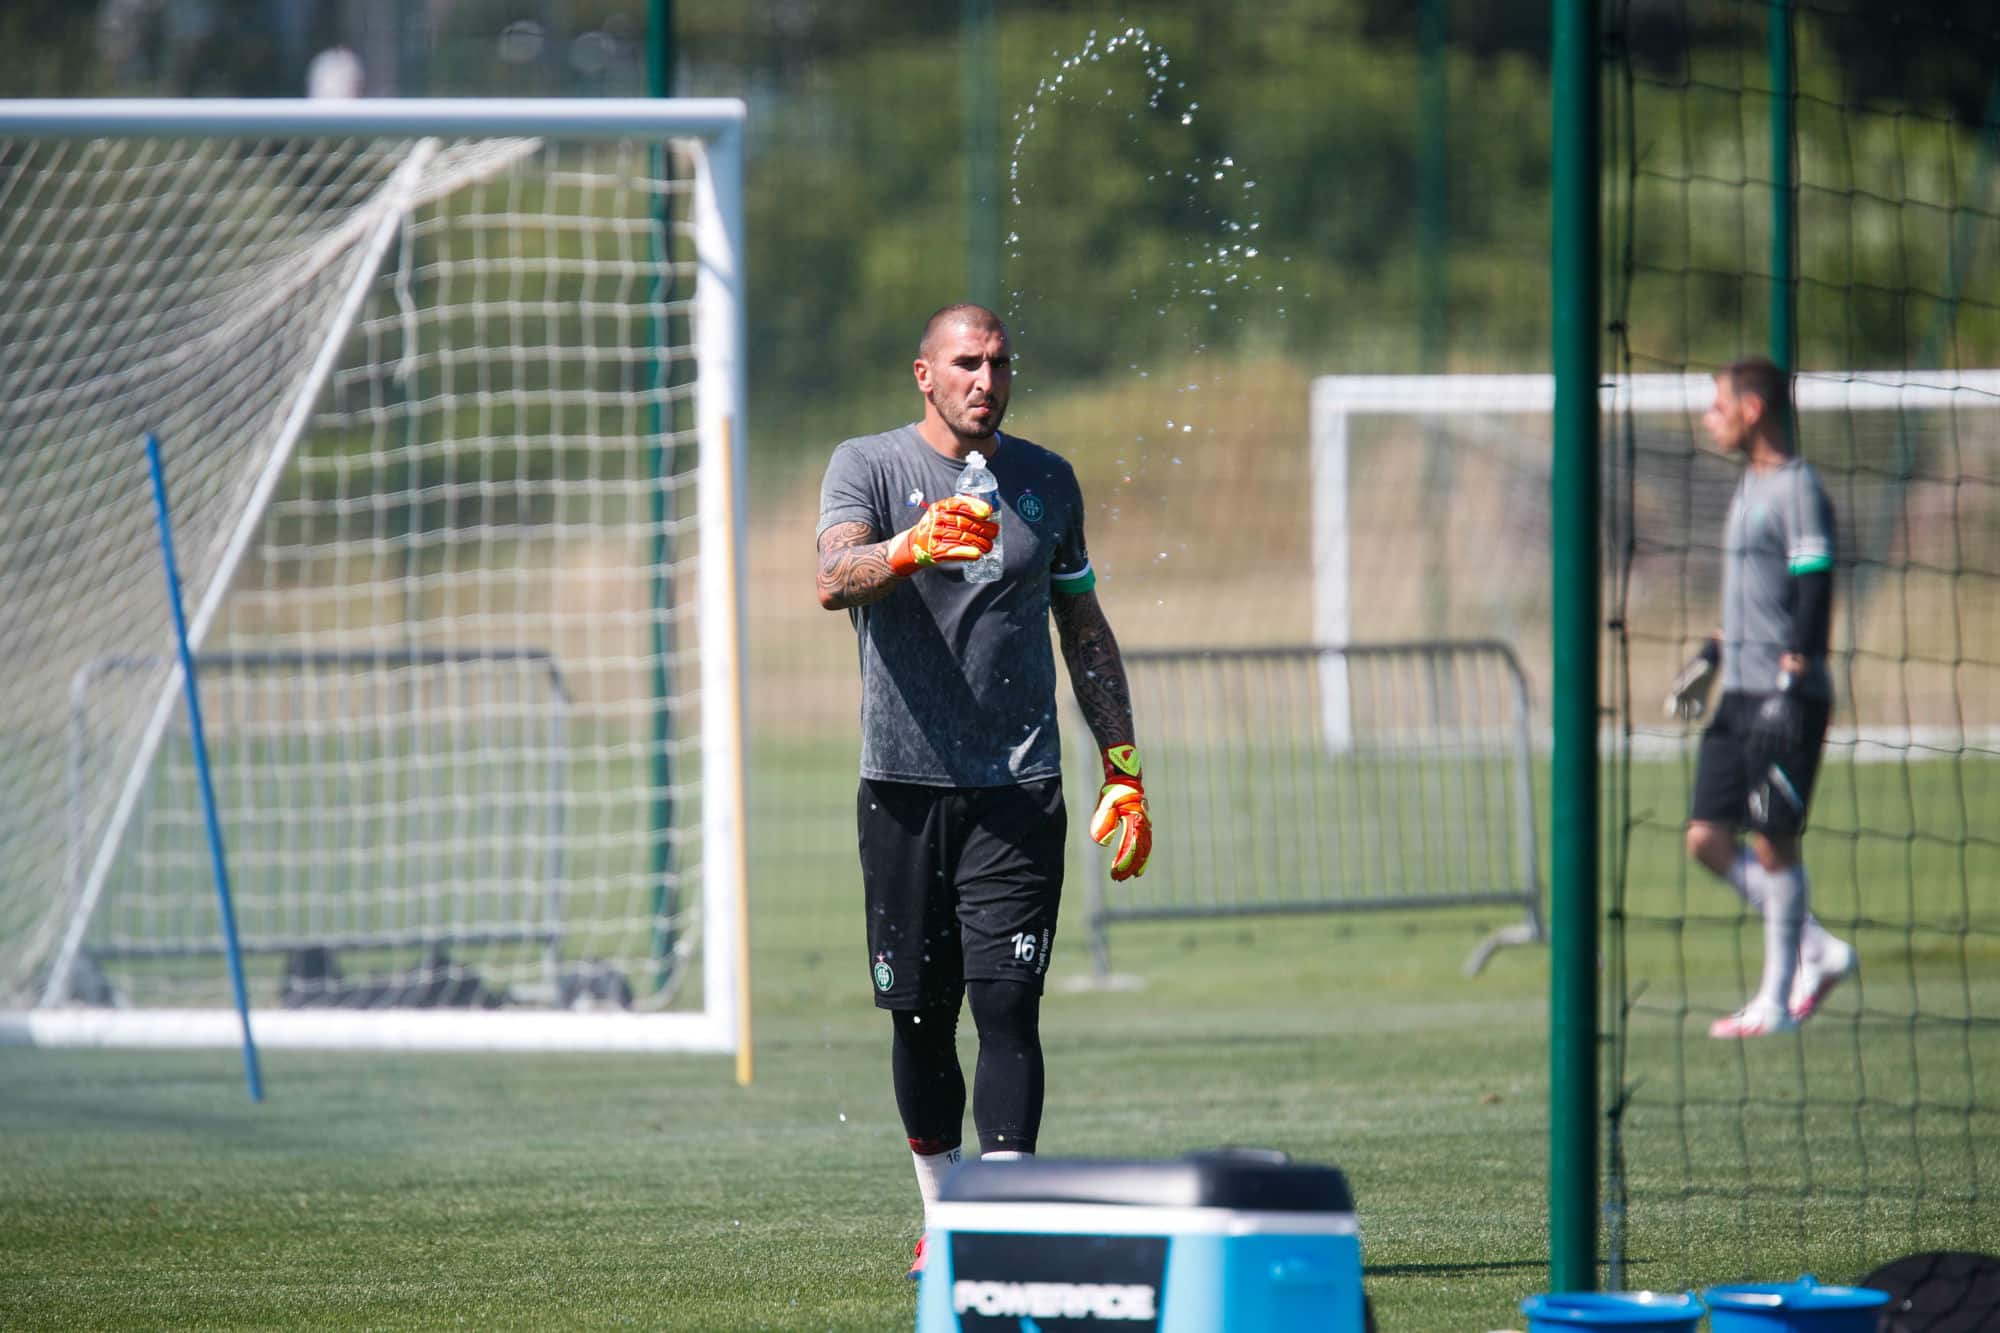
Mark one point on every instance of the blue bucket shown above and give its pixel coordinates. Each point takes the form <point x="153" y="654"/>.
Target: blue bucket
<point x="1794" y="1307"/>
<point x="1614" y="1312"/>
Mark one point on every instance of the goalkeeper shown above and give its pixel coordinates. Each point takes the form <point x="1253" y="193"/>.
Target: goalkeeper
<point x="960" y="808"/>
<point x="1761" y="751"/>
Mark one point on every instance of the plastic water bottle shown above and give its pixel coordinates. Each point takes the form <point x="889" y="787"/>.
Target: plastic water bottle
<point x="979" y="483"/>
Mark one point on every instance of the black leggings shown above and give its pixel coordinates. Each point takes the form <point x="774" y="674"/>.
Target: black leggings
<point x="1007" y="1086"/>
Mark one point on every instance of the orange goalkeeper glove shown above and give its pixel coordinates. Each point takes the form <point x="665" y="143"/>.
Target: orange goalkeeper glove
<point x="1121" y="821"/>
<point x="953" y="531"/>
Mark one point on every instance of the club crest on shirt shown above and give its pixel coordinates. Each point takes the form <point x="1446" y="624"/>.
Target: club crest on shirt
<point x="1030" y="506"/>
<point x="913" y="499"/>
<point x="884" y="977"/>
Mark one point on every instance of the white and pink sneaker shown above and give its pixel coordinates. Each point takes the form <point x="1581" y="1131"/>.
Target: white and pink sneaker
<point x="1811" y="985"/>
<point x="1753" y="1020"/>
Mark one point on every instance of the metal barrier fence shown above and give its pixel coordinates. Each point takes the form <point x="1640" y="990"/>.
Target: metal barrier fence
<point x="377" y="799"/>
<point x="1326" y="779"/>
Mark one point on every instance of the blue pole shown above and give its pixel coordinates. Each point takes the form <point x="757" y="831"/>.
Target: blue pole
<point x="215" y="852"/>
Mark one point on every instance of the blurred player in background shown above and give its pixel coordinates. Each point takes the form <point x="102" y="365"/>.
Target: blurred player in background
<point x="1761" y="751"/>
<point x="960" y="810"/>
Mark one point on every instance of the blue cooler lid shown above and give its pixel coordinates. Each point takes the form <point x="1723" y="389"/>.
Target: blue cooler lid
<point x="1805" y="1294"/>
<point x="1601" y="1311"/>
<point x="1247" y="1180"/>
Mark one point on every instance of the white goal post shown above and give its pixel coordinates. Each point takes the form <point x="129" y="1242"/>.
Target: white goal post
<point x="449" y="396"/>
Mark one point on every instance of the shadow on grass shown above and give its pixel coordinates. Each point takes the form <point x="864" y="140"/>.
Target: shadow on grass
<point x="1447" y="1270"/>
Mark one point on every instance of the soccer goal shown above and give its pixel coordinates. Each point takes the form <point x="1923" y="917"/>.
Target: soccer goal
<point x="449" y="399"/>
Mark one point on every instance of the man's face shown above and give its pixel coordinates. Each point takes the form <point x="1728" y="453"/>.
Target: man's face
<point x="966" y="377"/>
<point x="1731" y="418"/>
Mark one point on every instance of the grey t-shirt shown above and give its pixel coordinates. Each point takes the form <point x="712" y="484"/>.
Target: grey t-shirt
<point x="1780" y="526"/>
<point x="958" y="679"/>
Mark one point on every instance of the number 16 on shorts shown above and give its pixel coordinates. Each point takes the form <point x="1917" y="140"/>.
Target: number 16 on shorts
<point x="1030" y="950"/>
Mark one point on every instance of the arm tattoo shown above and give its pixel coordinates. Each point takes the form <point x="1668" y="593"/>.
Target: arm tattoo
<point x="1096" y="670"/>
<point x="853" y="568"/>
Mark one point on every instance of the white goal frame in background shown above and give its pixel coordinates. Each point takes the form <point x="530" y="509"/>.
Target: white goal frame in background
<point x="721" y="1022"/>
<point x="1338" y="401"/>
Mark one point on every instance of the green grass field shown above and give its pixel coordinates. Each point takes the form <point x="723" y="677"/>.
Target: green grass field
<point x="144" y="1190"/>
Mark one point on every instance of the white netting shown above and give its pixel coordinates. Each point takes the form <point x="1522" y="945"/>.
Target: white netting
<point x="426" y="412"/>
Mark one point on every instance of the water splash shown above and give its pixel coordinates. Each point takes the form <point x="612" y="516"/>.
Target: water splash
<point x="1120" y="89"/>
<point x="1234" y="260"/>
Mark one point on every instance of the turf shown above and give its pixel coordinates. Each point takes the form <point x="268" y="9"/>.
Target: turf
<point x="144" y="1190"/>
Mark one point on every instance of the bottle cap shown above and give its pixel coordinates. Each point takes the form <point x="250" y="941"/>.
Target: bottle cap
<point x="975" y="459"/>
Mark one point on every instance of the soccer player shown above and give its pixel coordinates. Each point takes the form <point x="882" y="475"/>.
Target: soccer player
<point x="1761" y="751"/>
<point x="960" y="808"/>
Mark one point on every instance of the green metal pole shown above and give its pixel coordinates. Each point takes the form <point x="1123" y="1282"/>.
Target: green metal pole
<point x="1573" y="928"/>
<point x="1433" y="263"/>
<point x="659" y="466"/>
<point x="1784" y="226"/>
<point x="982" y="194"/>
<point x="1433" y="233"/>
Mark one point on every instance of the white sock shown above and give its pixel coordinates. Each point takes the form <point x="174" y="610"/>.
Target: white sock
<point x="1744" y="877"/>
<point x="1002" y="1155"/>
<point x="1820" y="950"/>
<point x="931" y="1171"/>
<point x="1784" y="902"/>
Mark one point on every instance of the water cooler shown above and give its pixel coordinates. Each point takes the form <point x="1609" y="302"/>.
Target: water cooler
<point x="1216" y="1242"/>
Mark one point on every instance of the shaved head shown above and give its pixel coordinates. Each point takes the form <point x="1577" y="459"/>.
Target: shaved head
<point x="963" y="369"/>
<point x="975" y="317"/>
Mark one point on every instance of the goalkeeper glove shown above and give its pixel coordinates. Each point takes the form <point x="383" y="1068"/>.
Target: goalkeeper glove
<point x="1687" y="697"/>
<point x="1778" y="725"/>
<point x="1121" y="821"/>
<point x="1776" y="729"/>
<point x="953" y="530"/>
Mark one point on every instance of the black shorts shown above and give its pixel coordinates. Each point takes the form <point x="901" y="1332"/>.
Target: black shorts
<point x="962" y="884"/>
<point x="1730" y="787"/>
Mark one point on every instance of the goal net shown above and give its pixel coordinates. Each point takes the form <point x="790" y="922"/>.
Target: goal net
<point x="1803" y="1148"/>
<point x="446" y="396"/>
<point x="1812" y="181"/>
